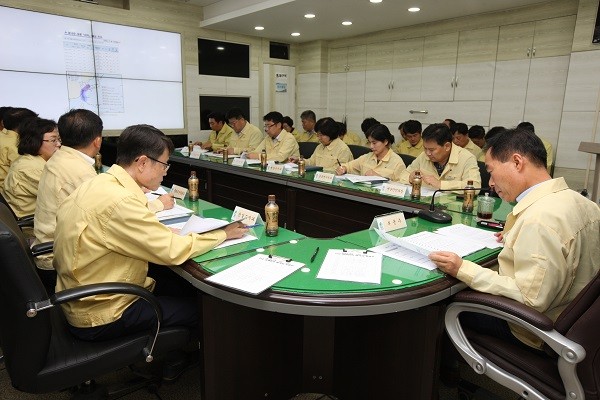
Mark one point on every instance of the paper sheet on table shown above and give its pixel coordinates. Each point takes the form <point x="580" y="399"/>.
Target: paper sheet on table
<point x="175" y="212"/>
<point x="427" y="242"/>
<point x="396" y="252"/>
<point x="213" y="154"/>
<point x="198" y="224"/>
<point x="252" y="161"/>
<point x="482" y="236"/>
<point x="364" y="179"/>
<point x="351" y="265"/>
<point x="290" y="166"/>
<point x="256" y="274"/>
<point x="231" y="242"/>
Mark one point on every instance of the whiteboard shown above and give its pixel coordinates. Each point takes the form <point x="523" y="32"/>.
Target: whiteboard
<point x="126" y="75"/>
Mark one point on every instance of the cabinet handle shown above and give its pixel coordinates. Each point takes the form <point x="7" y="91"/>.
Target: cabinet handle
<point x="456" y="81"/>
<point x="534" y="51"/>
<point x="528" y="51"/>
<point x="419" y="111"/>
<point x="393" y="84"/>
<point x="452" y="82"/>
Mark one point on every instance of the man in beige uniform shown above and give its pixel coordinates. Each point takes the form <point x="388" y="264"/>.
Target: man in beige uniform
<point x="9" y="138"/>
<point x="460" y="137"/>
<point x="221" y="133"/>
<point x="309" y="119"/>
<point x="279" y="144"/>
<point x="413" y="145"/>
<point x="247" y="136"/>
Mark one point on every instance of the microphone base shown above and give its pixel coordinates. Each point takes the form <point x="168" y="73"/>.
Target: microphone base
<point x="437" y="217"/>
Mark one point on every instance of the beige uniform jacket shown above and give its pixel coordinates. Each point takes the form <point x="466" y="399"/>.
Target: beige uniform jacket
<point x="307" y="137"/>
<point x="473" y="148"/>
<point x="21" y="185"/>
<point x="281" y="148"/>
<point x="390" y="166"/>
<point x="106" y="233"/>
<point x="222" y="138"/>
<point x="329" y="156"/>
<point x="404" y="147"/>
<point x="8" y="151"/>
<point x="353" y="138"/>
<point x="247" y="139"/>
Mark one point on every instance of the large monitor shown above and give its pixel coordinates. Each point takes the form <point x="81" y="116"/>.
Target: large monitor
<point x="223" y="58"/>
<point x="126" y="75"/>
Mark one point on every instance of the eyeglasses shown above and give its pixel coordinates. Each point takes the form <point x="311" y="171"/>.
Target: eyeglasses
<point x="53" y="141"/>
<point x="268" y="126"/>
<point x="166" y="166"/>
<point x="232" y="123"/>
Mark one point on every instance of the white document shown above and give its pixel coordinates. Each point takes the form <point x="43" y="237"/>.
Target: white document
<point x="482" y="236"/>
<point x="364" y="179"/>
<point x="252" y="161"/>
<point x="231" y="242"/>
<point x="396" y="252"/>
<point x="427" y="242"/>
<point x="175" y="212"/>
<point x="198" y="224"/>
<point x="256" y="274"/>
<point x="213" y="154"/>
<point x="351" y="265"/>
<point x="290" y="166"/>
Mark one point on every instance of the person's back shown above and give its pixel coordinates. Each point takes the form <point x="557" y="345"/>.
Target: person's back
<point x="9" y="139"/>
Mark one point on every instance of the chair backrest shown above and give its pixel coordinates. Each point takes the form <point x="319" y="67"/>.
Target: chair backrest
<point x="408" y="159"/>
<point x="25" y="341"/>
<point x="3" y="201"/>
<point x="485" y="175"/>
<point x="358" y="151"/>
<point x="579" y="322"/>
<point x="307" y="148"/>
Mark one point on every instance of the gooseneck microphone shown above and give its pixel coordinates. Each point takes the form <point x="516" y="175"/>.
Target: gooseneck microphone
<point x="439" y="217"/>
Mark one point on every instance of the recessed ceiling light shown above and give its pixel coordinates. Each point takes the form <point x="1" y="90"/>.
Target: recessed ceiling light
<point x="375" y="1"/>
<point x="259" y="28"/>
<point x="347" y="23"/>
<point x="309" y="15"/>
<point x="414" y="9"/>
<point x="220" y="48"/>
<point x="295" y="33"/>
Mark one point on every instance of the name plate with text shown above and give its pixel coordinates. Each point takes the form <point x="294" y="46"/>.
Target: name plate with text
<point x="324" y="177"/>
<point x="238" y="162"/>
<point x="275" y="168"/>
<point x="389" y="222"/>
<point x="246" y="216"/>
<point x="393" y="190"/>
<point x="196" y="153"/>
<point x="179" y="192"/>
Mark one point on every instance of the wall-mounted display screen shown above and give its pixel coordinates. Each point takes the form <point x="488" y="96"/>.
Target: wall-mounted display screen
<point x="126" y="75"/>
<point x="223" y="58"/>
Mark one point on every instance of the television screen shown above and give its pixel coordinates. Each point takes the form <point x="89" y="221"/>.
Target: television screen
<point x="223" y="58"/>
<point x="596" y="37"/>
<point x="210" y="104"/>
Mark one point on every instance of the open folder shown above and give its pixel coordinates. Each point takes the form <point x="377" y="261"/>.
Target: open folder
<point x="198" y="224"/>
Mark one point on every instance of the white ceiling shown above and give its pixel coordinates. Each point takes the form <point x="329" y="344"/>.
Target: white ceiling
<point x="282" y="17"/>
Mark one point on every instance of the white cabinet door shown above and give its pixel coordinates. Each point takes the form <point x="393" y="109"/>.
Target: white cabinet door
<point x="474" y="81"/>
<point x="437" y="83"/>
<point x="510" y="91"/>
<point x="378" y="85"/>
<point x="355" y="99"/>
<point x="336" y="103"/>
<point x="406" y="84"/>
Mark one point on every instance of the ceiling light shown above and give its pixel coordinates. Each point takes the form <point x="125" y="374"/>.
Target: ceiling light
<point x="295" y="33"/>
<point x="259" y="28"/>
<point x="375" y="1"/>
<point x="414" y="9"/>
<point x="347" y="23"/>
<point x="309" y="15"/>
<point x="220" y="48"/>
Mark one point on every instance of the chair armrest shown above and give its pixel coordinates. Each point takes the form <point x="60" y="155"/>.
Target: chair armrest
<point x="507" y="305"/>
<point x="68" y="295"/>
<point x="42" y="248"/>
<point x="26" y="221"/>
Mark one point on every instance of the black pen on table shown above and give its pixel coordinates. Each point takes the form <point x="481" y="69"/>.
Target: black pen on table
<point x="312" y="258"/>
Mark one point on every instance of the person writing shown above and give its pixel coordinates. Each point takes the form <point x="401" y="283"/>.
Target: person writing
<point x="331" y="150"/>
<point x="551" y="238"/>
<point x="443" y="165"/>
<point x="381" y="161"/>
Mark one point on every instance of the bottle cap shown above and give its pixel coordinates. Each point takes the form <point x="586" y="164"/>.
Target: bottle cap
<point x="193" y="173"/>
<point x="271" y="197"/>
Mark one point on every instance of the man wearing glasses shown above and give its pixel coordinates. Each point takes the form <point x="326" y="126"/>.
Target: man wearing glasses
<point x="279" y="144"/>
<point x="247" y="136"/>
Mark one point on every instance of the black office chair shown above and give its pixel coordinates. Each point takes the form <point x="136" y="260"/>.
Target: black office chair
<point x="307" y="148"/>
<point x="358" y="151"/>
<point x="569" y="370"/>
<point x="26" y="221"/>
<point x="408" y="159"/>
<point x="485" y="178"/>
<point x="40" y="353"/>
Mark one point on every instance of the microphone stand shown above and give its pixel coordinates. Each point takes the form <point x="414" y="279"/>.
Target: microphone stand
<point x="437" y="216"/>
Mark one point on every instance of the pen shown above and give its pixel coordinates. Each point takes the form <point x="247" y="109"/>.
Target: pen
<point x="312" y="258"/>
<point x="339" y="163"/>
<point x="253" y="226"/>
<point x="158" y="194"/>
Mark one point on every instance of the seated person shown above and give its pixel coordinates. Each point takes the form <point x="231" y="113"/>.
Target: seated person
<point x="349" y="137"/>
<point x="460" y="137"/>
<point x="247" y="136"/>
<point x="106" y="233"/>
<point x="279" y="144"/>
<point x="288" y="125"/>
<point x="413" y="145"/>
<point x="9" y="137"/>
<point x="365" y="126"/>
<point x="477" y="135"/>
<point x="443" y="165"/>
<point x="381" y="161"/>
<point x="551" y="241"/>
<point x="309" y="120"/>
<point x="38" y="140"/>
<point x="332" y="150"/>
<point x="547" y="145"/>
<point x="220" y="134"/>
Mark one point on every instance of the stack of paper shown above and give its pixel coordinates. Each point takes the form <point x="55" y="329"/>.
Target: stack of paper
<point x="175" y="212"/>
<point x="351" y="265"/>
<point x="365" y="179"/>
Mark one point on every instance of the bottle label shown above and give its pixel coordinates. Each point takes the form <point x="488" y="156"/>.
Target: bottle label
<point x="193" y="185"/>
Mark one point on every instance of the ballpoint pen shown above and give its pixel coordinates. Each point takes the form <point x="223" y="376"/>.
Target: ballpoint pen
<point x="339" y="163"/>
<point x="312" y="258"/>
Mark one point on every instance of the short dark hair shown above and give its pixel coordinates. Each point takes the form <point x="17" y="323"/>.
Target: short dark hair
<point x="14" y="116"/>
<point x="236" y="113"/>
<point x="460" y="128"/>
<point x="343" y="127"/>
<point x="517" y="140"/>
<point x="79" y="127"/>
<point x="381" y="133"/>
<point x="287" y="120"/>
<point x="527" y="125"/>
<point x="31" y="135"/>
<point x="217" y="116"/>
<point x="440" y="133"/>
<point x="493" y="132"/>
<point x="401" y="126"/>
<point x="4" y="110"/>
<point x="329" y="127"/>
<point x="412" y="126"/>
<point x="367" y="124"/>
<point x="476" y="132"/>
<point x="139" y="140"/>
<point x="308" y="114"/>
<point x="274" y="116"/>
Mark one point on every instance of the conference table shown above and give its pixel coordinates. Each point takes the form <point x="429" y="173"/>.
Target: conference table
<point x="308" y="335"/>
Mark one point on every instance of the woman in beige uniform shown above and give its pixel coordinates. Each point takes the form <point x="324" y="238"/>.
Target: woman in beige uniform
<point x="381" y="161"/>
<point x="331" y="150"/>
